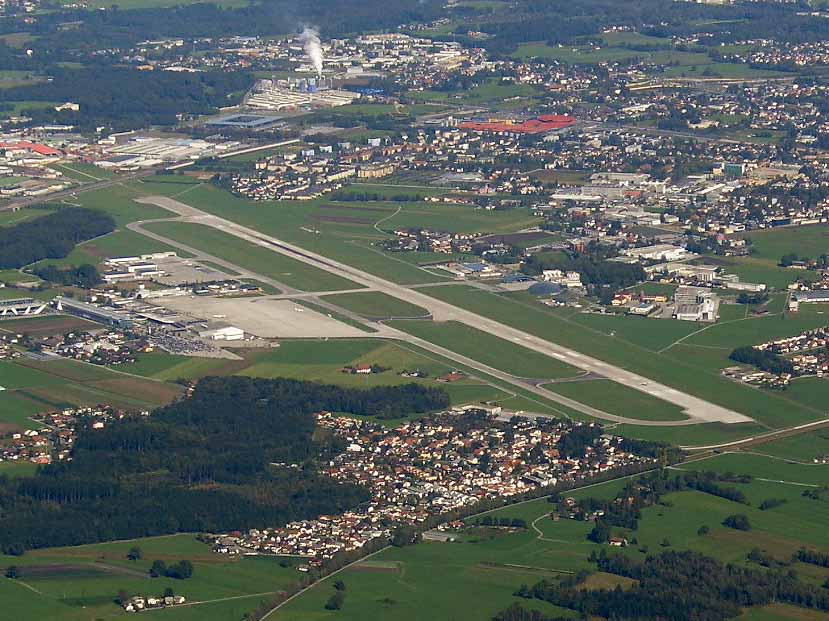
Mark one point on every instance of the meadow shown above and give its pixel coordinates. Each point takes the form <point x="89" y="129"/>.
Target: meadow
<point x="486" y="566"/>
<point x="33" y="386"/>
<point x="376" y="305"/>
<point x="631" y="350"/>
<point x="619" y="399"/>
<point x="81" y="583"/>
<point x="771" y="244"/>
<point x="489" y="349"/>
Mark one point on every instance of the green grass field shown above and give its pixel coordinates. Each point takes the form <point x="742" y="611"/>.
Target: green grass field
<point x="672" y="368"/>
<point x="758" y="269"/>
<point x="489" y="349"/>
<point x="619" y="399"/>
<point x="801" y="448"/>
<point x="374" y="304"/>
<point x="169" y="367"/>
<point x="255" y="258"/>
<point x="81" y="583"/>
<point x="807" y="241"/>
<point x="37" y="386"/>
<point x="346" y="231"/>
<point x="486" y="567"/>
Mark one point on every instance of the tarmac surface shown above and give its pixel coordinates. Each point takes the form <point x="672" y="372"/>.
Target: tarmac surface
<point x="698" y="410"/>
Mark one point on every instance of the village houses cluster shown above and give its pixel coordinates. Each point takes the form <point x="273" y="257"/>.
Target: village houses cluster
<point x="430" y="467"/>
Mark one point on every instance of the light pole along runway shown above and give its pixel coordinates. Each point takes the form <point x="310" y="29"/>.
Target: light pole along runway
<point x="698" y="410"/>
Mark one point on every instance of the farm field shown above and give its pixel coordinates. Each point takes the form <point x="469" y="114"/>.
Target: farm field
<point x="39" y="386"/>
<point x="255" y="258"/>
<point x="489" y="349"/>
<point x="81" y="583"/>
<point x="169" y="367"/>
<point x="766" y="407"/>
<point x="757" y="269"/>
<point x="801" y="448"/>
<point x="375" y="304"/>
<point x="17" y="469"/>
<point x="616" y="398"/>
<point x="807" y="241"/>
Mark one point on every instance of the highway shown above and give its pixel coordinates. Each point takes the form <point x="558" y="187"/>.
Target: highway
<point x="698" y="410"/>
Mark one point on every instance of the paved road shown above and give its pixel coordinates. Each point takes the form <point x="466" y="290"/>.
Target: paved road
<point x="698" y="410"/>
<point x="89" y="187"/>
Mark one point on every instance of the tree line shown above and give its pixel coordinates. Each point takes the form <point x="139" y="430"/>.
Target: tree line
<point x="51" y="237"/>
<point x="85" y="276"/>
<point x="678" y="585"/>
<point x="763" y="359"/>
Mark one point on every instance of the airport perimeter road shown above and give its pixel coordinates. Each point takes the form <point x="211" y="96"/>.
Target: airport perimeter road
<point x="693" y="407"/>
<point x="88" y="187"/>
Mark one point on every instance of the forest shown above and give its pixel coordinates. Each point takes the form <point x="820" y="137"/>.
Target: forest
<point x="95" y="30"/>
<point x="762" y="359"/>
<point x="123" y="98"/>
<point x="52" y="236"/>
<point x="205" y="463"/>
<point x="595" y="274"/>
<point x="85" y="276"/>
<point x="679" y="585"/>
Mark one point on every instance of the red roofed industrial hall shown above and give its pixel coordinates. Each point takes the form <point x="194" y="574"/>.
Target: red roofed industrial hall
<point x="539" y="125"/>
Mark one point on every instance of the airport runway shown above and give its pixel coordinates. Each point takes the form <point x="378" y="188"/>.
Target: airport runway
<point x="698" y="410"/>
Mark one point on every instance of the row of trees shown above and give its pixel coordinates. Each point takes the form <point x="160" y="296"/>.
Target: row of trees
<point x="625" y="510"/>
<point x="85" y="276"/>
<point x="52" y="236"/>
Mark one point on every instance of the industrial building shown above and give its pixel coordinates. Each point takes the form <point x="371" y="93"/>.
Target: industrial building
<point x="292" y="95"/>
<point x="223" y="333"/>
<point x="818" y="295"/>
<point x="658" y="252"/>
<point x="695" y="304"/>
<point x="92" y="312"/>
